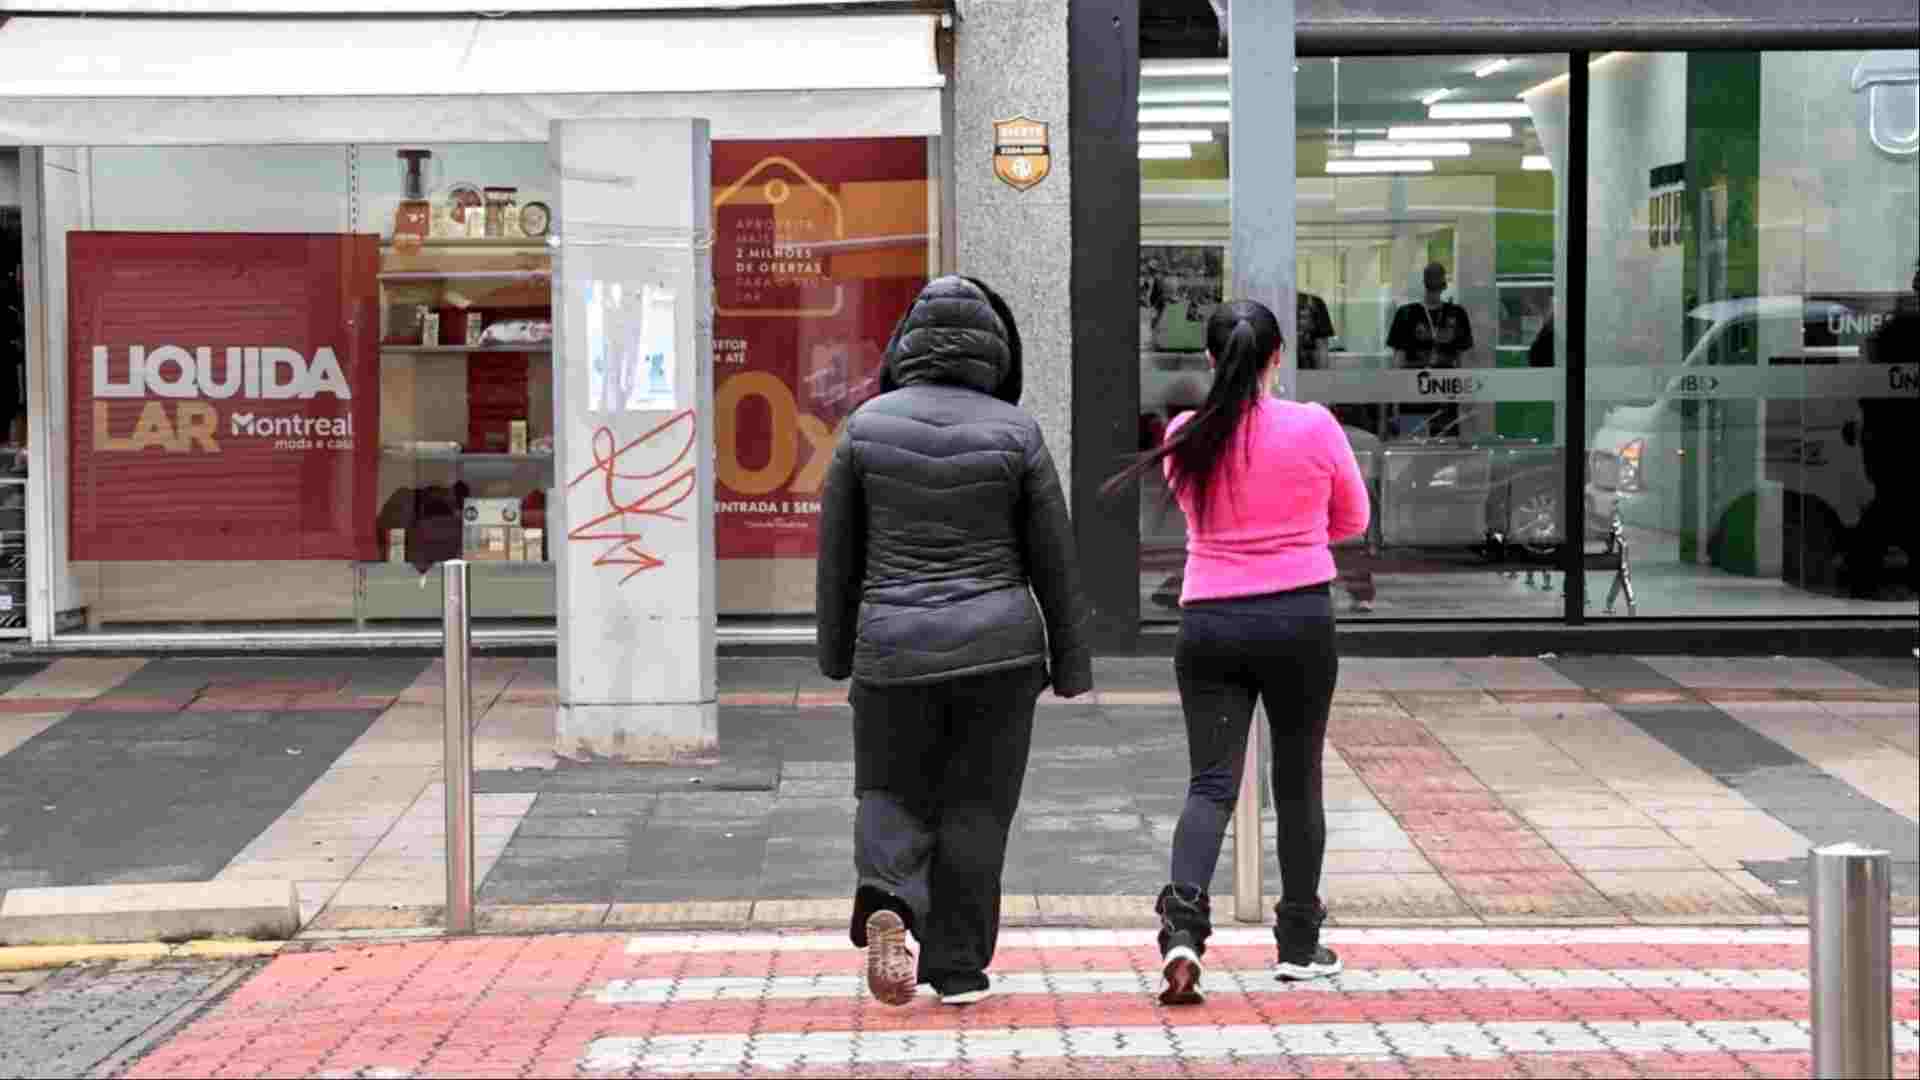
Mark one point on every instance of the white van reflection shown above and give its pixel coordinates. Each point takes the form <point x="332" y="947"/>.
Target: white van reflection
<point x="1728" y="440"/>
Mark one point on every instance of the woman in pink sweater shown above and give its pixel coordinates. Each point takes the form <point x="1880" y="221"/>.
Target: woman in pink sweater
<point x="1266" y="486"/>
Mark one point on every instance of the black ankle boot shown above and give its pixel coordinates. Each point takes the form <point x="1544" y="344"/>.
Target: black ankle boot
<point x="1186" y="918"/>
<point x="1185" y="924"/>
<point x="1296" y="933"/>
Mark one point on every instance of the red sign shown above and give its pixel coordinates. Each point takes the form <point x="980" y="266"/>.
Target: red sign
<point x="819" y="248"/>
<point x="225" y="395"/>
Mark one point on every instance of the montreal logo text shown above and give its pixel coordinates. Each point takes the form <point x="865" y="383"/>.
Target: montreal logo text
<point x="261" y="373"/>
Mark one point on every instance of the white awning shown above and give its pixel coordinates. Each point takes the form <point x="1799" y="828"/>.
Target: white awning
<point x="108" y="81"/>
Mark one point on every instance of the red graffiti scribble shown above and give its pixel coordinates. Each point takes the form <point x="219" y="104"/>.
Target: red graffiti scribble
<point x="657" y="501"/>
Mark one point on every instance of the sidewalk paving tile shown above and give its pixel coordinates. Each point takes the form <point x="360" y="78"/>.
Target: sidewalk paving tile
<point x="1676" y="892"/>
<point x="75" y="678"/>
<point x="1610" y="838"/>
<point x="1591" y="859"/>
<point x="501" y="918"/>
<point x="692" y="912"/>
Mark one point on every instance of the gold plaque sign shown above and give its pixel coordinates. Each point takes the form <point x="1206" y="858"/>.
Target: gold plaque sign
<point x="1021" y="155"/>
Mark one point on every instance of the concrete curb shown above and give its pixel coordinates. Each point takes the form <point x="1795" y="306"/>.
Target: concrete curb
<point x="35" y="957"/>
<point x="157" y="911"/>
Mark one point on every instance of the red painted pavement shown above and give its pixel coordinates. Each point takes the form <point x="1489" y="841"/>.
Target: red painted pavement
<point x="528" y="1006"/>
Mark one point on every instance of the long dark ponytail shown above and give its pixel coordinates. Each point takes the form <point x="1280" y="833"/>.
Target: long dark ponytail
<point x="1242" y="336"/>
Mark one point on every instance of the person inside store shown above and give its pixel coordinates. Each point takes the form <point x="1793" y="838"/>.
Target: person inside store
<point x="1265" y="485"/>
<point x="1315" y="329"/>
<point x="1433" y="332"/>
<point x="948" y="591"/>
<point x="1887" y="439"/>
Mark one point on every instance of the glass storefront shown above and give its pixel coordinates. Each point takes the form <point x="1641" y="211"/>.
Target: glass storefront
<point x="301" y="378"/>
<point x="1744" y="209"/>
<point x="1754" y="225"/>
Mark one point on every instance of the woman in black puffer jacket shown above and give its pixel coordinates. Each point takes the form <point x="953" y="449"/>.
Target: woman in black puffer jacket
<point x="942" y="524"/>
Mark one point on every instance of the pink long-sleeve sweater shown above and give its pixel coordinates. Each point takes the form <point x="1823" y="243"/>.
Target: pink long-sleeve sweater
<point x="1275" y="506"/>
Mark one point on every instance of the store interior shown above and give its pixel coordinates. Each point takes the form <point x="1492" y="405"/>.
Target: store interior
<point x="1408" y="163"/>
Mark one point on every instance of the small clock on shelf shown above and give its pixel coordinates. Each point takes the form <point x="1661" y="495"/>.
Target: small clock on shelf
<point x="535" y="219"/>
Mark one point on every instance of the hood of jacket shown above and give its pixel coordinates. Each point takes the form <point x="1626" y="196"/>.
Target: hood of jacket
<point x="958" y="332"/>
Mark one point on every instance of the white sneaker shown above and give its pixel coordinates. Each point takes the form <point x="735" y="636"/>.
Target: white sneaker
<point x="967" y="997"/>
<point x="1323" y="962"/>
<point x="1182" y="970"/>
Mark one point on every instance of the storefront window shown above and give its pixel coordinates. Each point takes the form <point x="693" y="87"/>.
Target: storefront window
<point x="301" y="378"/>
<point x="1427" y="226"/>
<point x="1752" y="286"/>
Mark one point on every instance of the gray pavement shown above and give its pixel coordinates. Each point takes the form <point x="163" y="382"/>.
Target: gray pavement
<point x="94" y="1019"/>
<point x="1493" y="789"/>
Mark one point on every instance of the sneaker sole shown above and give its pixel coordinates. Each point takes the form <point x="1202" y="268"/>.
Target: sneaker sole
<point x="1306" y="972"/>
<point x="889" y="961"/>
<point x="1182" y="972"/>
<point x="968" y="998"/>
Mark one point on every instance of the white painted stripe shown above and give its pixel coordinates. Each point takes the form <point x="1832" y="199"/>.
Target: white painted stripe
<point x="1488" y="1041"/>
<point x="1242" y="980"/>
<point x="651" y="944"/>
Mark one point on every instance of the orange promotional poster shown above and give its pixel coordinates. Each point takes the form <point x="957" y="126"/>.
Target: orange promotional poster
<point x="819" y="246"/>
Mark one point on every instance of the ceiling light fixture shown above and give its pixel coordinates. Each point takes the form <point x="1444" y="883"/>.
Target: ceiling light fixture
<point x="1491" y="67"/>
<point x="1165" y="152"/>
<point x="1421" y="132"/>
<point x="1536" y="163"/>
<point x="1186" y="116"/>
<point x="1166" y="95"/>
<point x="1561" y="78"/>
<point x="1481" y="110"/>
<point x="1379" y="166"/>
<point x="1176" y="135"/>
<point x="1184" y="69"/>
<point x="1436" y="96"/>
<point x="1411" y="149"/>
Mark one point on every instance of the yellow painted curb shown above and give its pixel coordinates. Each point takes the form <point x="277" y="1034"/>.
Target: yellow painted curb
<point x="29" y="957"/>
<point x="33" y="957"/>
<point x="228" y="950"/>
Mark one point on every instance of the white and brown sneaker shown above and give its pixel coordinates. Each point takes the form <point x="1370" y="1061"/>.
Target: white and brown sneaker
<point x="890" y="967"/>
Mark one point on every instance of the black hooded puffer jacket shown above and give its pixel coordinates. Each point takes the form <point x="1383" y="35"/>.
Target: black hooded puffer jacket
<point x="943" y="520"/>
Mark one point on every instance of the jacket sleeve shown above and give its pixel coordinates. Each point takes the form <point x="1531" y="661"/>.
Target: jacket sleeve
<point x="1347" y="509"/>
<point x="842" y="568"/>
<point x="1053" y="571"/>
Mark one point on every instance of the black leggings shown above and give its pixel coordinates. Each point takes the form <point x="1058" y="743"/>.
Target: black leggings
<point x="1231" y="654"/>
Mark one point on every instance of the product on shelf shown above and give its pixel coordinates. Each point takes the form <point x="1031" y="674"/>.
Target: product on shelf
<point x="414" y="218"/>
<point x="518" y="332"/>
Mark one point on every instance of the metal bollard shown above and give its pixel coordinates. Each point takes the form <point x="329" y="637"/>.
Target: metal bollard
<point x="1247" y="862"/>
<point x="457" y="632"/>
<point x="1852" y="938"/>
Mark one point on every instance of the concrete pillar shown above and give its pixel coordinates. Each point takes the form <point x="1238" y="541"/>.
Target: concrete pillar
<point x="1010" y="60"/>
<point x="632" y="508"/>
<point x="1260" y="44"/>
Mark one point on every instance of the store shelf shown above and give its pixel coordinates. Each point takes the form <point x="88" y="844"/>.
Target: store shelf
<point x="466" y="275"/>
<point x="458" y="350"/>
<point x="469" y="243"/>
<point x="462" y="456"/>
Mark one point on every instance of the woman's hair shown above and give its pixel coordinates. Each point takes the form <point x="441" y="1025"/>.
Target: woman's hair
<point x="1242" y="336"/>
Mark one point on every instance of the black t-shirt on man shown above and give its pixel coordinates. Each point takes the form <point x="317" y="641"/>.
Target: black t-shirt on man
<point x="1432" y="337"/>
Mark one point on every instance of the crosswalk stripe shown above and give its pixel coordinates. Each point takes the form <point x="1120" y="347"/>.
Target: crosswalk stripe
<point x="722" y="1053"/>
<point x="1483" y="937"/>
<point x="1249" y="981"/>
